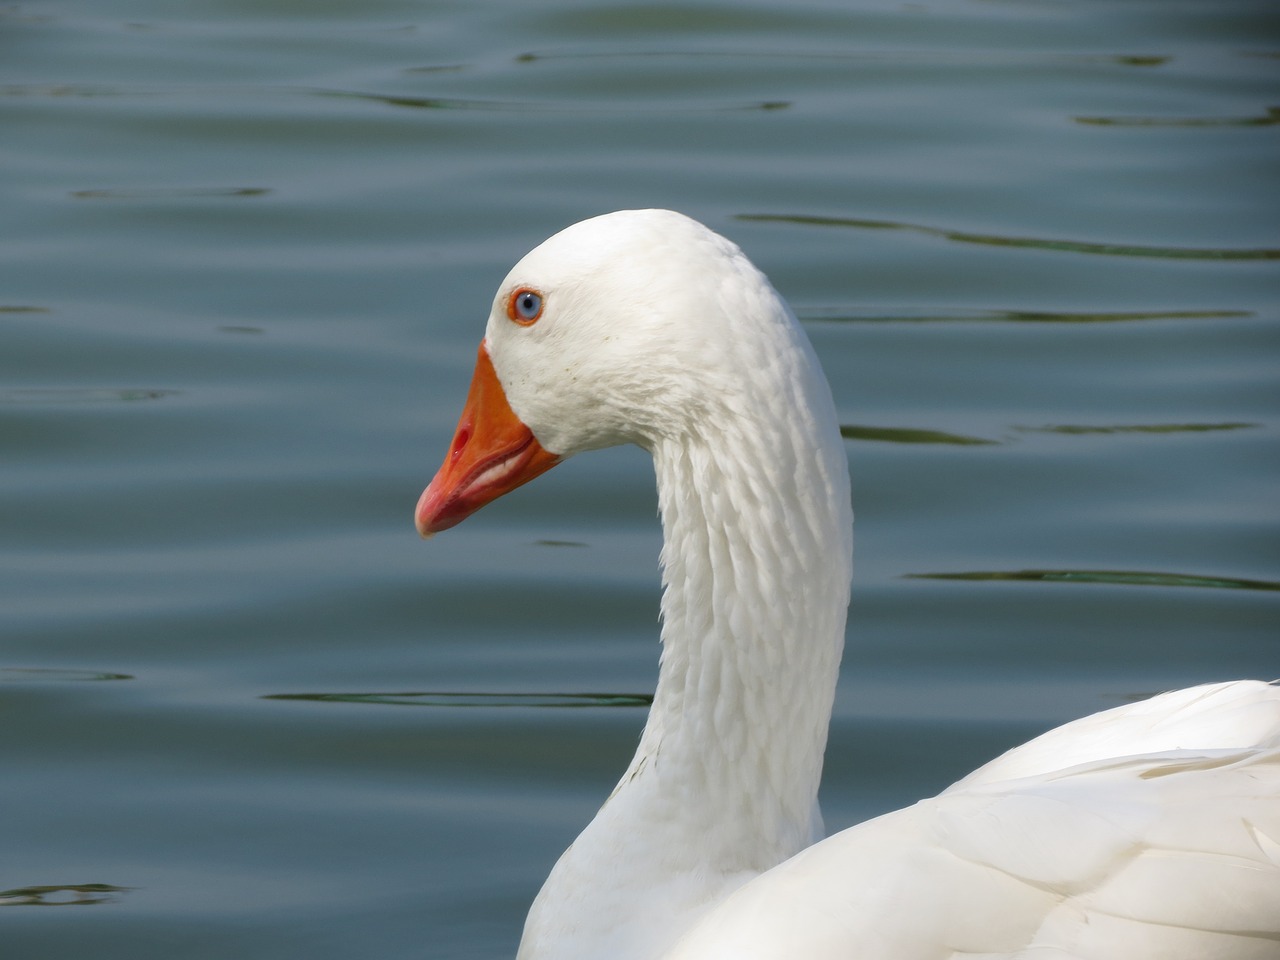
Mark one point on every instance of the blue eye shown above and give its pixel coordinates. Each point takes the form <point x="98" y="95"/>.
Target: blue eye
<point x="525" y="306"/>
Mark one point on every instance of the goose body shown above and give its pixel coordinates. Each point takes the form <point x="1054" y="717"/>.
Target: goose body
<point x="1151" y="830"/>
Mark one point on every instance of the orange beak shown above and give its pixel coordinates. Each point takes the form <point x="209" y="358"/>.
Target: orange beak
<point x="492" y="453"/>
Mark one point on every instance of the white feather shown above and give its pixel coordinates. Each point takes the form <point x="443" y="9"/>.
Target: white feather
<point x="1147" y="831"/>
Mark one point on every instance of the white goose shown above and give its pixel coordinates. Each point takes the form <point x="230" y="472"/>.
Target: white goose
<point x="1148" y="831"/>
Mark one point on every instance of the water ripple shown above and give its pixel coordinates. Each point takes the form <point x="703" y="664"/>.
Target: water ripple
<point x="531" y="106"/>
<point x="258" y="93"/>
<point x="1121" y="577"/>
<point x="842" y="315"/>
<point x="82" y="395"/>
<point x="983" y="58"/>
<point x="67" y="90"/>
<point x="910" y="435"/>
<point x="169" y="193"/>
<point x="919" y="435"/>
<point x="1072" y="429"/>
<point x="70" y="895"/>
<point x="1272" y="116"/>
<point x="446" y="699"/>
<point x="1030" y="243"/>
<point x="55" y="675"/>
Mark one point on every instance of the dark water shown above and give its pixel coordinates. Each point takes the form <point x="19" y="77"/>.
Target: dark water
<point x="246" y="251"/>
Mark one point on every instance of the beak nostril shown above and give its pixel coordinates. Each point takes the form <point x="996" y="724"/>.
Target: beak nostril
<point x="460" y="441"/>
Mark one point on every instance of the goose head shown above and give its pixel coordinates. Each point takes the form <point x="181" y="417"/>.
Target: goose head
<point x="625" y="328"/>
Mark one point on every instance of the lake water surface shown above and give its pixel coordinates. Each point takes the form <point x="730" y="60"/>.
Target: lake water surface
<point x="246" y="253"/>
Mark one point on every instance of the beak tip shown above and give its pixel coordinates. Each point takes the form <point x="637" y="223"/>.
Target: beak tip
<point x="426" y="514"/>
<point x="423" y="521"/>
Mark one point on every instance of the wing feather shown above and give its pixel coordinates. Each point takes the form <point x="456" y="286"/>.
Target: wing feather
<point x="1173" y="855"/>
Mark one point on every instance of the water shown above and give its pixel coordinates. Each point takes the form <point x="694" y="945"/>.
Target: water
<point x="245" y="256"/>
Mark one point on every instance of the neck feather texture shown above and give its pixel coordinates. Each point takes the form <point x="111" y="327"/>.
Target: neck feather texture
<point x="756" y="584"/>
<point x="756" y="569"/>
